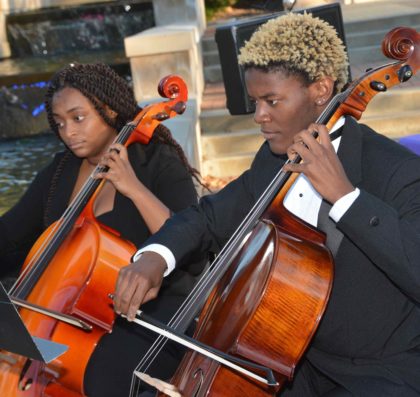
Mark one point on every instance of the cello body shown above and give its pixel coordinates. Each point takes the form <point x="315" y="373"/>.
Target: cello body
<point x="265" y="309"/>
<point x="85" y="266"/>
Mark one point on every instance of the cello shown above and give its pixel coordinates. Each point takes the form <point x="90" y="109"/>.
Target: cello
<point x="270" y="284"/>
<point x="69" y="272"/>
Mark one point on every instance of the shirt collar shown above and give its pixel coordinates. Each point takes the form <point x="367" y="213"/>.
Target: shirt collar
<point x="338" y="124"/>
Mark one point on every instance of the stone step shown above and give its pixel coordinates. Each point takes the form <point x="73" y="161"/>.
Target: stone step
<point x="395" y="125"/>
<point x="226" y="144"/>
<point x="373" y="24"/>
<point x="211" y="58"/>
<point x="213" y="73"/>
<point x="397" y="100"/>
<point x="364" y="37"/>
<point x="227" y="166"/>
<point x="208" y="44"/>
<point x="219" y="120"/>
<point x="229" y="154"/>
<point x="360" y="39"/>
<point x="371" y="54"/>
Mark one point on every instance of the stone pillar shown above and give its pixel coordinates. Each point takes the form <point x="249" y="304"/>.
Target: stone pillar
<point x="172" y="47"/>
<point x="4" y="44"/>
<point x="157" y="52"/>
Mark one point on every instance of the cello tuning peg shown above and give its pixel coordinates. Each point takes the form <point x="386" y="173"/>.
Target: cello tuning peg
<point x="405" y="73"/>
<point x="179" y="107"/>
<point x="161" y="116"/>
<point x="378" y="86"/>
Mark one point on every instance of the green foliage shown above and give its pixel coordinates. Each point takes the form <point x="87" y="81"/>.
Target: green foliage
<point x="212" y="6"/>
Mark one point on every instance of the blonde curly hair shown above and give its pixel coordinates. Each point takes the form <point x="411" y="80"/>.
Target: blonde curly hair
<point x="299" y="44"/>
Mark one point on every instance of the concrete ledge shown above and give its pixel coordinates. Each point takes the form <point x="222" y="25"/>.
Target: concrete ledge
<point x="162" y="39"/>
<point x="164" y="50"/>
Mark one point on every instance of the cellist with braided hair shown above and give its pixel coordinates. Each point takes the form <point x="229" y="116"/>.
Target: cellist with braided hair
<point x="86" y="105"/>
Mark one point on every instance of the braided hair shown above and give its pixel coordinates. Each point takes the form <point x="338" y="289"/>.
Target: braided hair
<point x="102" y="85"/>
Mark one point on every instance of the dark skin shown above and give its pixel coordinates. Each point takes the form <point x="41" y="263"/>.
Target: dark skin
<point x="319" y="163"/>
<point x="285" y="107"/>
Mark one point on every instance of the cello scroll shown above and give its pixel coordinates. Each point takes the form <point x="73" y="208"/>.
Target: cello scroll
<point x="401" y="44"/>
<point x="172" y="87"/>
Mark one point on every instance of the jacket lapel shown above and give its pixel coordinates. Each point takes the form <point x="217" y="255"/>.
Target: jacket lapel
<point x="350" y="150"/>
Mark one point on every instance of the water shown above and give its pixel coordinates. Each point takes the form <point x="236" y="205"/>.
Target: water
<point x="19" y="162"/>
<point x="78" y="28"/>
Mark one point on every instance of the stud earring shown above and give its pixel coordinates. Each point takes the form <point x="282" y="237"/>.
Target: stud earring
<point x="112" y="114"/>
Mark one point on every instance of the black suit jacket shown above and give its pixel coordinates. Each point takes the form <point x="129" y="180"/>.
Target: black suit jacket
<point x="371" y="328"/>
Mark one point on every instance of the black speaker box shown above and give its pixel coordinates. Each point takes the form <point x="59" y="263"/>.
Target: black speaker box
<point x="232" y="36"/>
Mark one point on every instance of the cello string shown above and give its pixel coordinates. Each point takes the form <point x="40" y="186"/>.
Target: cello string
<point x="156" y="348"/>
<point x="249" y="220"/>
<point x="227" y="251"/>
<point x="65" y="220"/>
<point x="24" y="280"/>
<point x="48" y="244"/>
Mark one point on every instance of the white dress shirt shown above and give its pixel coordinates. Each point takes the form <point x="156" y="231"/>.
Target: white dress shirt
<point x="301" y="200"/>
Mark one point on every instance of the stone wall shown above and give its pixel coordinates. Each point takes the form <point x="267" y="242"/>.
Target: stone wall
<point x="172" y="47"/>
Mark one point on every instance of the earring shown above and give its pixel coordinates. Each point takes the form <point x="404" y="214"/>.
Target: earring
<point x="320" y="102"/>
<point x="112" y="114"/>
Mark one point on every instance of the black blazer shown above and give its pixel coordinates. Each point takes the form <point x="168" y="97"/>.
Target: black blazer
<point x="372" y="323"/>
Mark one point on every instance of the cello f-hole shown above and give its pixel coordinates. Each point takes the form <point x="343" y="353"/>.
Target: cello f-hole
<point x="197" y="388"/>
<point x="25" y="383"/>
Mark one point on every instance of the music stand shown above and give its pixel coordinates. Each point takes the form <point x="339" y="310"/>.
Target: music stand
<point x="14" y="336"/>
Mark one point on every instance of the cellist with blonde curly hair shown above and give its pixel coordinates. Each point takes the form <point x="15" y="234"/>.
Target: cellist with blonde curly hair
<point x="362" y="190"/>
